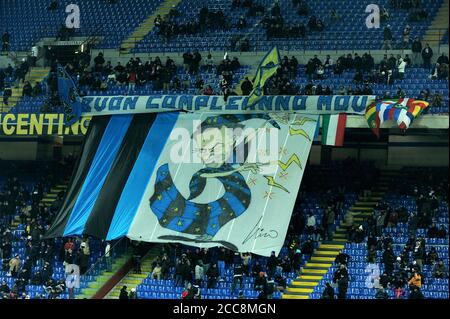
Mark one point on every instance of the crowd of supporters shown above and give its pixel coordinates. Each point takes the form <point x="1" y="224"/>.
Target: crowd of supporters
<point x="192" y="265"/>
<point x="366" y="74"/>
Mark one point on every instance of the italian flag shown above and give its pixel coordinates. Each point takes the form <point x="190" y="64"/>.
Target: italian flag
<point x="333" y="128"/>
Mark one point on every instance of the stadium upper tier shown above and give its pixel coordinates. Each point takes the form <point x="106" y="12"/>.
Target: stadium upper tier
<point x="348" y="31"/>
<point x="28" y="22"/>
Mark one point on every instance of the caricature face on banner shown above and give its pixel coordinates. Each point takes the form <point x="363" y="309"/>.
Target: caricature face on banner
<point x="230" y="185"/>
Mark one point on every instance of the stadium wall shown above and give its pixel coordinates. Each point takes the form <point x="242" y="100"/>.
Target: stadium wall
<point x="18" y="150"/>
<point x="424" y="151"/>
<point x="397" y="151"/>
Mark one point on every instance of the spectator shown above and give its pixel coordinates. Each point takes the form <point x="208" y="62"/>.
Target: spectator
<point x="311" y="223"/>
<point x="387" y="44"/>
<point x="132" y="79"/>
<point x="53" y="6"/>
<point x="328" y="292"/>
<point x="133" y="294"/>
<point x="406" y="34"/>
<point x="440" y="271"/>
<point x="213" y="274"/>
<point x="123" y="293"/>
<point x="330" y="219"/>
<point x="401" y="68"/>
<point x="334" y="16"/>
<point x="208" y="90"/>
<point x="342" y="287"/>
<point x="443" y="59"/>
<point x="108" y="256"/>
<point x="199" y="272"/>
<point x="246" y="259"/>
<point x="407" y="60"/>
<point x="7" y="93"/>
<point x="388" y="260"/>
<point x="427" y="54"/>
<point x="6" y="37"/>
<point x="4" y="288"/>
<point x="329" y="62"/>
<point x="209" y="62"/>
<point x="381" y="294"/>
<point x="384" y="15"/>
<point x="237" y="278"/>
<point x="272" y="263"/>
<point x="415" y="281"/>
<point x="157" y="273"/>
<point x="417" y="51"/>
<point x="246" y="86"/>
<point x="14" y="266"/>
<point x="37" y="89"/>
<point x="416" y="293"/>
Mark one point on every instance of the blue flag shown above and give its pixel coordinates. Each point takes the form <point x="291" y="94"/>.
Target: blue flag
<point x="69" y="97"/>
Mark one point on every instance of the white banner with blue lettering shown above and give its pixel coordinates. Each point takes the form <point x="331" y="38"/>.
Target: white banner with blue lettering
<point x="323" y="104"/>
<point x="218" y="180"/>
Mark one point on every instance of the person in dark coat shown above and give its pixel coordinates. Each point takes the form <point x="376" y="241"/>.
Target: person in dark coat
<point x="385" y="280"/>
<point x="427" y="54"/>
<point x="272" y="264"/>
<point x="123" y="293"/>
<point x="342" y="287"/>
<point x="381" y="294"/>
<point x="416" y="293"/>
<point x="342" y="259"/>
<point x="213" y="274"/>
<point x="260" y="282"/>
<point x="388" y="260"/>
<point x="246" y="87"/>
<point x="4" y="288"/>
<point x="328" y="292"/>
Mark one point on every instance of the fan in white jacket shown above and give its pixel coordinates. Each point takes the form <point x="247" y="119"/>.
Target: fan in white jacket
<point x="401" y="68"/>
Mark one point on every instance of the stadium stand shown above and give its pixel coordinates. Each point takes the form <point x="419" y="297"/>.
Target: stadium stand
<point x="112" y="21"/>
<point x="352" y="220"/>
<point x="351" y="30"/>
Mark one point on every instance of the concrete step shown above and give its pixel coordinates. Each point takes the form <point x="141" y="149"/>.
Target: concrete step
<point x="331" y="247"/>
<point x="323" y="259"/>
<point x="291" y="296"/>
<point x="314" y="271"/>
<point x="361" y="208"/>
<point x="313" y="265"/>
<point x="304" y="284"/>
<point x="303" y="290"/>
<point x="365" y="203"/>
<point x="325" y="253"/>
<point x="308" y="277"/>
<point x="342" y="240"/>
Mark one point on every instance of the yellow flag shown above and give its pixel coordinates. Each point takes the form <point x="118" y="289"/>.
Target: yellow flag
<point x="266" y="69"/>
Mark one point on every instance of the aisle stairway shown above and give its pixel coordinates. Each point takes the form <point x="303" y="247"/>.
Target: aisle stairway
<point x="47" y="200"/>
<point x="132" y="280"/>
<point x="147" y="26"/>
<point x="36" y="74"/>
<point x="324" y="256"/>
<point x="101" y="279"/>
<point x="440" y="21"/>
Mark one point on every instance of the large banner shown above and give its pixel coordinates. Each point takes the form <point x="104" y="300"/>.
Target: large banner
<point x="24" y="124"/>
<point x="326" y="104"/>
<point x="200" y="179"/>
